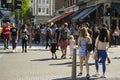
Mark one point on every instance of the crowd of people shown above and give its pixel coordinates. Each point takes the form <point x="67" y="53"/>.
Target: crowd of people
<point x="59" y="37"/>
<point x="56" y="37"/>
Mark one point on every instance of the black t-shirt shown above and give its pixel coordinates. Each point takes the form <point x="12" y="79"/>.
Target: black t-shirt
<point x="57" y="33"/>
<point x="13" y="31"/>
<point x="53" y="49"/>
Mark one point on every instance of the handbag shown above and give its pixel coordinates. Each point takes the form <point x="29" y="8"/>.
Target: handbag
<point x="95" y="55"/>
<point x="89" y="47"/>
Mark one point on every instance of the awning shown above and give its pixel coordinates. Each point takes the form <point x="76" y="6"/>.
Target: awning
<point x="84" y="13"/>
<point x="52" y="19"/>
<point x="117" y="7"/>
<point x="5" y="12"/>
<point x="59" y="17"/>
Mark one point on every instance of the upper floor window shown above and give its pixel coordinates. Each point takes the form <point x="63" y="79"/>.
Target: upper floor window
<point x="47" y="11"/>
<point x="40" y="1"/>
<point x="43" y="10"/>
<point x="43" y="1"/>
<point x="47" y="1"/>
<point x="40" y="10"/>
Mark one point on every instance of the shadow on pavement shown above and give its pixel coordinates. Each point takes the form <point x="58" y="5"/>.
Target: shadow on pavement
<point x="116" y="58"/>
<point x="70" y="64"/>
<point x="79" y="78"/>
<point x="10" y="52"/>
<point x="38" y="49"/>
<point x="46" y="59"/>
<point x="66" y="63"/>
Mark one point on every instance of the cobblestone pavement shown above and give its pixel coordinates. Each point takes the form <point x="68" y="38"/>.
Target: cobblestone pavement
<point x="38" y="65"/>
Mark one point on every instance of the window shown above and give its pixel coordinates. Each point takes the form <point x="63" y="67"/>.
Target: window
<point x="43" y="1"/>
<point x="43" y="10"/>
<point x="47" y="11"/>
<point x="40" y="1"/>
<point x="47" y="1"/>
<point x="40" y="10"/>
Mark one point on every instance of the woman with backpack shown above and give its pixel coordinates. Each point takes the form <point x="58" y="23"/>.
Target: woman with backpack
<point x="24" y="34"/>
<point x="64" y="36"/>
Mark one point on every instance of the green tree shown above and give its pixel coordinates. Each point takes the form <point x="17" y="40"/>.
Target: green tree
<point x="25" y="13"/>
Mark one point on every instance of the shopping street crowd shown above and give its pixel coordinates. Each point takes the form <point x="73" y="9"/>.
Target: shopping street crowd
<point x="56" y="37"/>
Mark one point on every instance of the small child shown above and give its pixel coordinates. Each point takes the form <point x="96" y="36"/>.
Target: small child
<point x="71" y="45"/>
<point x="53" y="47"/>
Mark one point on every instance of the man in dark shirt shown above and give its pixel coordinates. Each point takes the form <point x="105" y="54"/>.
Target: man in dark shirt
<point x="13" y="36"/>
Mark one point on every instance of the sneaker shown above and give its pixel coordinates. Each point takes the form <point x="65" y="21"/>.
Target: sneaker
<point x="87" y="76"/>
<point x="13" y="50"/>
<point x="80" y="74"/>
<point x="96" y="75"/>
<point x="103" y="76"/>
<point x="25" y="51"/>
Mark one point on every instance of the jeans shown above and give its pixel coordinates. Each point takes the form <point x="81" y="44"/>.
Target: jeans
<point x="24" y="45"/>
<point x="103" y="55"/>
<point x="6" y="42"/>
<point x="14" y="42"/>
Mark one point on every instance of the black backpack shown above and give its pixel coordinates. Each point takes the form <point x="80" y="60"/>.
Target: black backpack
<point x="49" y="32"/>
<point x="65" y="34"/>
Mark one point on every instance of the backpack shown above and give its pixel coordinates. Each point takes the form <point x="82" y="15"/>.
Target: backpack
<point x="89" y="47"/>
<point x="49" y="32"/>
<point x="65" y="34"/>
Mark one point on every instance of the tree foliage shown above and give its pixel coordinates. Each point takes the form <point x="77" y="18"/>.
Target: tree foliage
<point x="25" y="10"/>
<point x="25" y="13"/>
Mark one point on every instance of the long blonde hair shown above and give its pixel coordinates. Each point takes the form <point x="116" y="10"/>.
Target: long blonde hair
<point x="84" y="32"/>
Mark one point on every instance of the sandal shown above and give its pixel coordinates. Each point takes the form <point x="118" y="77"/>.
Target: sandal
<point x="87" y="76"/>
<point x="80" y="74"/>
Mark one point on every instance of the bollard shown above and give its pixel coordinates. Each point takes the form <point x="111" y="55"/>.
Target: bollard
<point x="74" y="65"/>
<point x="30" y="40"/>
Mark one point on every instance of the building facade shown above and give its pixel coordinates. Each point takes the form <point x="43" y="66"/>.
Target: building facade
<point x="44" y="9"/>
<point x="98" y="11"/>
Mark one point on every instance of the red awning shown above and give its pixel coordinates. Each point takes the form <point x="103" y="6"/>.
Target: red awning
<point x="59" y="17"/>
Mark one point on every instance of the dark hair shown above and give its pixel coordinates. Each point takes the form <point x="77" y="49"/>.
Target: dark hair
<point x="104" y="35"/>
<point x="23" y="26"/>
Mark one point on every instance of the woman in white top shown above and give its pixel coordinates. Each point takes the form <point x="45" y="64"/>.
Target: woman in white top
<point x="101" y="44"/>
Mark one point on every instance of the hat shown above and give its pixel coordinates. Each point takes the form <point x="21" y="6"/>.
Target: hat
<point x="66" y="23"/>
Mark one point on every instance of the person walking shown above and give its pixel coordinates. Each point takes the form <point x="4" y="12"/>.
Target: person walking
<point x="24" y="34"/>
<point x="56" y="36"/>
<point x="71" y="45"/>
<point x="53" y="47"/>
<point x="13" y="36"/>
<point x="6" y="34"/>
<point x="63" y="38"/>
<point x="116" y="34"/>
<point x="83" y="54"/>
<point x="48" y="36"/>
<point x="95" y="35"/>
<point x="102" y="43"/>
